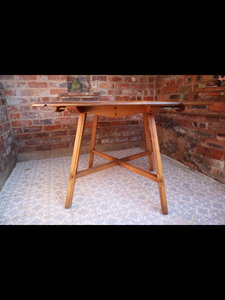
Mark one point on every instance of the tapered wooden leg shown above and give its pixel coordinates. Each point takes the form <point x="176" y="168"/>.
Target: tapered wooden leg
<point x="158" y="163"/>
<point x="148" y="142"/>
<point x="75" y="159"/>
<point x="94" y="130"/>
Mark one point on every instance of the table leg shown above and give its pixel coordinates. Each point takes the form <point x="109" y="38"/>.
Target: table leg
<point x="75" y="159"/>
<point x="148" y="142"/>
<point x="158" y="163"/>
<point x="94" y="129"/>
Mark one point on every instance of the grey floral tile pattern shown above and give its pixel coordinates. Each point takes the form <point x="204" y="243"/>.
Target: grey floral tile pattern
<point x="35" y="194"/>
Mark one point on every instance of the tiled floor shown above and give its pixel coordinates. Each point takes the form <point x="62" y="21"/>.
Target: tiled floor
<point x="35" y="193"/>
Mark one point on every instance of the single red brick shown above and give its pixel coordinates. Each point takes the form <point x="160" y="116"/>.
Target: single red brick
<point x="15" y="101"/>
<point x="137" y="86"/>
<point x="41" y="134"/>
<point x="150" y="86"/>
<point x="212" y="98"/>
<point x="32" y="128"/>
<point x="21" y="123"/>
<point x="109" y="119"/>
<point x="67" y="113"/>
<point x="10" y="92"/>
<point x="217" y="107"/>
<point x="19" y="143"/>
<point x="122" y="98"/>
<point x="114" y="92"/>
<point x="23" y="136"/>
<point x="131" y="79"/>
<point x="43" y="77"/>
<point x="184" y="89"/>
<point x="105" y="85"/>
<point x="51" y="114"/>
<point x="42" y="121"/>
<point x="57" y="91"/>
<point x="148" y="98"/>
<point x="12" y="108"/>
<point x="72" y="132"/>
<point x="43" y="92"/>
<point x="151" y="79"/>
<point x="70" y="78"/>
<point x="214" y="144"/>
<point x="217" y="126"/>
<point x="52" y="140"/>
<point x="53" y="84"/>
<point x="203" y="151"/>
<point x="50" y="99"/>
<point x="37" y="84"/>
<point x="179" y="81"/>
<point x="133" y="98"/>
<point x="25" y="108"/>
<point x="130" y="92"/>
<point x="27" y="92"/>
<point x="62" y="145"/>
<point x="34" y="142"/>
<point x="208" y="77"/>
<point x="6" y="126"/>
<point x="170" y="89"/>
<point x="218" y="155"/>
<point x="134" y="138"/>
<point x="62" y="120"/>
<point x="108" y="141"/>
<point x="24" y="149"/>
<point x="132" y="122"/>
<point x="14" y="116"/>
<point x="117" y="123"/>
<point x="59" y="133"/>
<point x="205" y="94"/>
<point x="114" y="78"/>
<point x="67" y="139"/>
<point x="102" y="78"/>
<point x="52" y="127"/>
<point x="69" y="126"/>
<point x="16" y="130"/>
<point x="122" y="139"/>
<point x="122" y="85"/>
<point x="182" y="121"/>
<point x="28" y="115"/>
<point x="5" y="77"/>
<point x="43" y="147"/>
<point x="57" y="77"/>
<point x="100" y="124"/>
<point x="25" y="77"/>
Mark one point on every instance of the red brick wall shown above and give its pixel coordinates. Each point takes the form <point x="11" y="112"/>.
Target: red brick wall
<point x="34" y="128"/>
<point x="7" y="151"/>
<point x="195" y="137"/>
<point x="38" y="129"/>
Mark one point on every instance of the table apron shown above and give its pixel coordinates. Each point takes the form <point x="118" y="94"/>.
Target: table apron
<point x="114" y="111"/>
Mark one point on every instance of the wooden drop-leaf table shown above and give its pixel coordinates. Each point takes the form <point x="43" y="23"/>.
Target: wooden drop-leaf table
<point x="116" y="109"/>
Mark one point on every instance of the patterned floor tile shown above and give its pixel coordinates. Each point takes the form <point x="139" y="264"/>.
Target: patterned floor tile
<point x="35" y="194"/>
